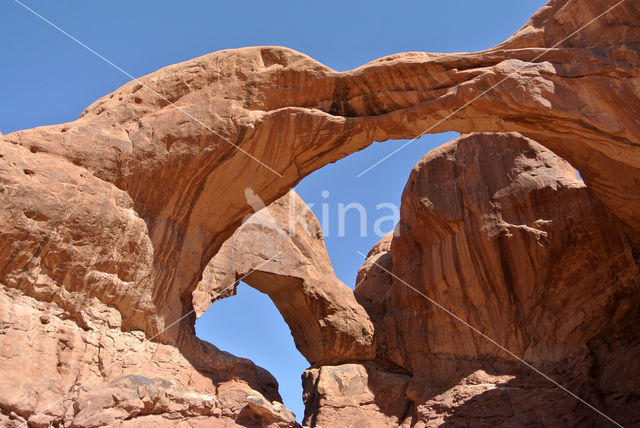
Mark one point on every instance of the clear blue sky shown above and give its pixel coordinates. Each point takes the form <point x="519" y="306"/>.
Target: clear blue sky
<point x="47" y="78"/>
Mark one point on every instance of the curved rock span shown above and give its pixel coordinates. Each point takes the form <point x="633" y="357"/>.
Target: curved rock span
<point x="117" y="229"/>
<point x="280" y="251"/>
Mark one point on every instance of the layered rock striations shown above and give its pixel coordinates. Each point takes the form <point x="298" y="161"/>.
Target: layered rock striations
<point x="108" y="223"/>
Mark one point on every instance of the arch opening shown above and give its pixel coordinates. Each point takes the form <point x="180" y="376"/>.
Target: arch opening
<point x="249" y="325"/>
<point x="357" y="194"/>
<point x="326" y="191"/>
<point x="256" y="319"/>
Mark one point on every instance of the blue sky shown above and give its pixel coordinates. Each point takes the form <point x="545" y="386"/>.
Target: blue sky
<point x="47" y="78"/>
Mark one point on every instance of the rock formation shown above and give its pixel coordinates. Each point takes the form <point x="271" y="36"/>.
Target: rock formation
<point x="280" y="251"/>
<point x="498" y="231"/>
<point x="108" y="223"/>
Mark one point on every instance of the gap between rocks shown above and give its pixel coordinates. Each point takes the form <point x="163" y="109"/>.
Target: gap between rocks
<point x="354" y="214"/>
<point x="249" y="325"/>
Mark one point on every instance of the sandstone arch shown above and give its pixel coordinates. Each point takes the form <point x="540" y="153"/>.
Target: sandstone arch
<point x="133" y="140"/>
<point x="155" y="194"/>
<point x="280" y="252"/>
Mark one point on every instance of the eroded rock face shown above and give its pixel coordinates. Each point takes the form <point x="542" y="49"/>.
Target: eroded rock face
<point x="56" y="370"/>
<point x="500" y="232"/>
<point x="502" y="229"/>
<point x="364" y="394"/>
<point x="108" y="222"/>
